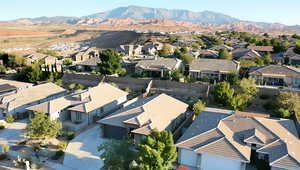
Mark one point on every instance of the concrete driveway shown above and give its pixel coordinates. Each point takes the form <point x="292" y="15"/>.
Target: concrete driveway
<point x="13" y="132"/>
<point x="82" y="154"/>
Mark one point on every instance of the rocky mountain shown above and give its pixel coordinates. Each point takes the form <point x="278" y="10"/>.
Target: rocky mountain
<point x="135" y="17"/>
<point x="139" y="13"/>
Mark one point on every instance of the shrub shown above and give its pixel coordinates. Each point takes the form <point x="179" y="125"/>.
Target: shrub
<point x="10" y="119"/>
<point x="198" y="107"/>
<point x="3" y="157"/>
<point x="284" y="113"/>
<point x="62" y="145"/>
<point x="5" y="148"/>
<point x="2" y="127"/>
<point x="36" y="165"/>
<point x="70" y="135"/>
<point x="269" y="106"/>
<point x="58" y="154"/>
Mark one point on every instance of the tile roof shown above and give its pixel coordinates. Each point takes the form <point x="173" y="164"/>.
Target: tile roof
<point x="159" y="63"/>
<point x="29" y="95"/>
<point x="217" y="65"/>
<point x="147" y="114"/>
<point x="274" y="70"/>
<point x="227" y="135"/>
<point x="90" y="62"/>
<point x="261" y="48"/>
<point x="244" y="53"/>
<point x="98" y="96"/>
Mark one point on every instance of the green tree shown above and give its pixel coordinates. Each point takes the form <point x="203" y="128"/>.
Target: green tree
<point x="198" y="107"/>
<point x="224" y="54"/>
<point x="248" y="87"/>
<point x="297" y="48"/>
<point x="67" y="62"/>
<point x="41" y="127"/>
<point x="233" y="78"/>
<point x="223" y="93"/>
<point x="284" y="113"/>
<point x="16" y="61"/>
<point x="117" y="154"/>
<point x="167" y="50"/>
<point x="268" y="58"/>
<point x="288" y="101"/>
<point x="110" y="62"/>
<point x="177" y="75"/>
<point x="187" y="58"/>
<point x="2" y="69"/>
<point x="158" y="151"/>
<point x="296" y="36"/>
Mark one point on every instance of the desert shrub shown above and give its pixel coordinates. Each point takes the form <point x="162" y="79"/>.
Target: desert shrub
<point x="3" y="157"/>
<point x="62" y="145"/>
<point x="284" y="113"/>
<point x="70" y="135"/>
<point x="5" y="148"/>
<point x="10" y="119"/>
<point x="58" y="154"/>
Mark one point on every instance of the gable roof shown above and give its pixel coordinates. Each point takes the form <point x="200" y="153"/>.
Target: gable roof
<point x="90" y="62"/>
<point x="261" y="48"/>
<point x="147" y="114"/>
<point x="227" y="135"/>
<point x="159" y="63"/>
<point x="29" y="95"/>
<point x="217" y="65"/>
<point x="276" y="70"/>
<point x="98" y="96"/>
<point x="244" y="53"/>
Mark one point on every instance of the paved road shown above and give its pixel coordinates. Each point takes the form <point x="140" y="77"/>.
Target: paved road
<point x="13" y="133"/>
<point x="82" y="154"/>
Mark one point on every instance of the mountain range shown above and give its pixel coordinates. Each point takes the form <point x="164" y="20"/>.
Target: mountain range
<point x="142" y="15"/>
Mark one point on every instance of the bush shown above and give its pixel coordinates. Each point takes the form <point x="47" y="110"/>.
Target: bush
<point x="3" y="157"/>
<point x="58" y="154"/>
<point x="198" y="107"/>
<point x="269" y="106"/>
<point x="2" y="127"/>
<point x="70" y="135"/>
<point x="62" y="145"/>
<point x="5" y="148"/>
<point x="264" y="96"/>
<point x="10" y="119"/>
<point x="284" y="113"/>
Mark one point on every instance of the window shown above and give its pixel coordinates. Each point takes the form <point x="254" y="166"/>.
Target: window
<point x="78" y="116"/>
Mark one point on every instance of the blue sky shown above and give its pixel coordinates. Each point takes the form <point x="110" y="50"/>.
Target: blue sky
<point x="282" y="11"/>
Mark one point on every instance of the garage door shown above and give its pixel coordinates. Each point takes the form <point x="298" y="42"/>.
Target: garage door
<point x="188" y="158"/>
<point x="211" y="162"/>
<point x="114" y="132"/>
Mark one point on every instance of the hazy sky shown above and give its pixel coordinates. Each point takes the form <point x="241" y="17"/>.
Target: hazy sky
<point x="282" y="11"/>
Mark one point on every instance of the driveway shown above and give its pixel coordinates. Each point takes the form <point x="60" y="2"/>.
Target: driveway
<point x="13" y="133"/>
<point x="82" y="154"/>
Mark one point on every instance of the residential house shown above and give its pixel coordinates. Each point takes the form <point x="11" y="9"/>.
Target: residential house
<point x="263" y="49"/>
<point x="158" y="67"/>
<point x="140" y="117"/>
<point x="89" y="65"/>
<point x="10" y="86"/>
<point x="212" y="54"/>
<point x="34" y="57"/>
<point x="246" y="54"/>
<point x="19" y="102"/>
<point x="85" y="54"/>
<point x="101" y="100"/>
<point x="212" y="69"/>
<point x="223" y="139"/>
<point x="276" y="75"/>
<point x="291" y="57"/>
<point x="221" y="47"/>
<point x="82" y="108"/>
<point x="152" y="48"/>
<point x="130" y="50"/>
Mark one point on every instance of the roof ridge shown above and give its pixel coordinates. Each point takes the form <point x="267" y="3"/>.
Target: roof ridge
<point x="271" y="163"/>
<point x="196" y="136"/>
<point x="267" y="145"/>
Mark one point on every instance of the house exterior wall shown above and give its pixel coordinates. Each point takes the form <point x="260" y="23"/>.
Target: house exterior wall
<point x="213" y="162"/>
<point x="289" y="81"/>
<point x="187" y="158"/>
<point x="114" y="132"/>
<point x="79" y="117"/>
